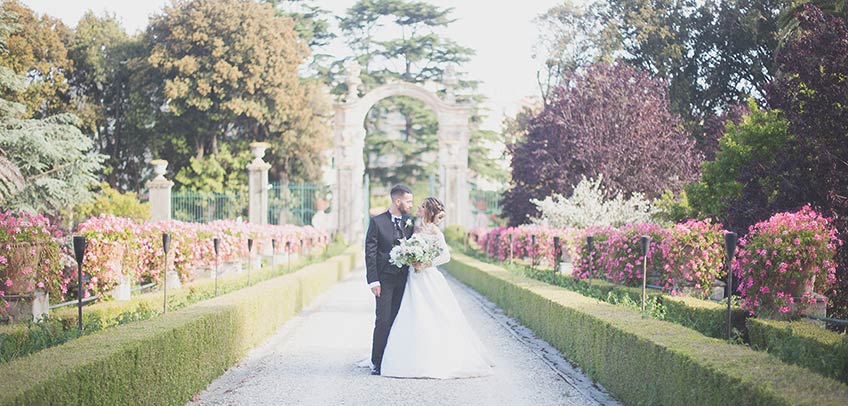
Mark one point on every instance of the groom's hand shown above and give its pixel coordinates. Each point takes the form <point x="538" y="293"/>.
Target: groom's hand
<point x="376" y="291"/>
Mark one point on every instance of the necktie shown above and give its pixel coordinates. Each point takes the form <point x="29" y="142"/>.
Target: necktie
<point x="398" y="229"/>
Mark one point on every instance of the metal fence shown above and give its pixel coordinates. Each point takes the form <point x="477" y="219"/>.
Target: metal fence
<point x="294" y="203"/>
<point x="486" y="201"/>
<point x="201" y="207"/>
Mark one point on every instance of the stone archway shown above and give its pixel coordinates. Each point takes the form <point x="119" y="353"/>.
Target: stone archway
<point x="349" y="137"/>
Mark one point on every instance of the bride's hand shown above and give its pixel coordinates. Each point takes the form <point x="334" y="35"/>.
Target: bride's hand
<point x="421" y="266"/>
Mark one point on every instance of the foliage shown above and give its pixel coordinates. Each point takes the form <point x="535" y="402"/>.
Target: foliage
<point x="693" y="256"/>
<point x="671" y="208"/>
<point x="811" y="90"/>
<point x="455" y="233"/>
<point x="802" y="343"/>
<point x="711" y="54"/>
<point x="611" y="120"/>
<point x="207" y="339"/>
<point x="760" y="142"/>
<point x="122" y="246"/>
<point x="30" y="256"/>
<point x="590" y="205"/>
<point x="36" y="50"/>
<point x="47" y="163"/>
<point x="110" y="201"/>
<point x="613" y="344"/>
<point x="216" y="173"/>
<point x="784" y="262"/>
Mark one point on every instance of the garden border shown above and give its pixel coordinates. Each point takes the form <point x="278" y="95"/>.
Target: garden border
<point x="167" y="359"/>
<point x="642" y="360"/>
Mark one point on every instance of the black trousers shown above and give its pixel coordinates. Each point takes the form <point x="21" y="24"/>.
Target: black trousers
<point x="388" y="304"/>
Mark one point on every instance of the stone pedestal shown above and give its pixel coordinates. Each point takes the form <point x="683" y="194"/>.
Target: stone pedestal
<point x="174" y="280"/>
<point x="26" y="308"/>
<point x="124" y="289"/>
<point x="258" y="185"/>
<point x="160" y="192"/>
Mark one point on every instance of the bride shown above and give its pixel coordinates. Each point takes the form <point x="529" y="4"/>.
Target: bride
<point x="430" y="337"/>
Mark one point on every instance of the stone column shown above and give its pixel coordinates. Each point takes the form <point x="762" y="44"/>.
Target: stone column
<point x="258" y="184"/>
<point x="160" y="192"/>
<point x="453" y="165"/>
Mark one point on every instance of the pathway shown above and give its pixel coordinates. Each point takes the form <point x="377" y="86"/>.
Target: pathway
<point x="312" y="360"/>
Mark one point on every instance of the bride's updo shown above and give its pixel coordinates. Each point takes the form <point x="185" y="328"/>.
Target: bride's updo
<point x="434" y="210"/>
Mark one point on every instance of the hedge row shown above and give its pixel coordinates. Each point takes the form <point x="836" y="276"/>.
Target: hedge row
<point x="802" y="343"/>
<point x="21" y="339"/>
<point x="165" y="360"/>
<point x="646" y="361"/>
<point x="705" y="316"/>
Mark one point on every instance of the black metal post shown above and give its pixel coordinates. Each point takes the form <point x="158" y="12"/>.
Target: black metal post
<point x="166" y="245"/>
<point x="533" y="254"/>
<point x="590" y="248"/>
<point x="511" y="251"/>
<point x="288" y="255"/>
<point x="645" y="240"/>
<point x="497" y="246"/>
<point x="79" y="253"/>
<point x="274" y="252"/>
<point x="557" y="254"/>
<point x="730" y="240"/>
<point x="249" y="258"/>
<point x="216" y="244"/>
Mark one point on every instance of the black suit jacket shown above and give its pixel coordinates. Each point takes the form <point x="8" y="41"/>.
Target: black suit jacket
<point x="379" y="241"/>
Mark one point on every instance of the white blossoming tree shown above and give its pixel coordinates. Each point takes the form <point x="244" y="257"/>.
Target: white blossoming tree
<point x="588" y="206"/>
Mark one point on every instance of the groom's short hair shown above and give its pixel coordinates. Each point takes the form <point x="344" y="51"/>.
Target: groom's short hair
<point x="399" y="190"/>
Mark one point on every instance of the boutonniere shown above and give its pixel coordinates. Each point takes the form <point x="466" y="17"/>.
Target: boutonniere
<point x="408" y="223"/>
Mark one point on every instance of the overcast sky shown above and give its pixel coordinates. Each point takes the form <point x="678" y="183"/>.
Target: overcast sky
<point x="501" y="32"/>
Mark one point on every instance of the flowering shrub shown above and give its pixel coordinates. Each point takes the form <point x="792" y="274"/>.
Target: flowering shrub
<point x="191" y="249"/>
<point x="785" y="261"/>
<point x="30" y="256"/>
<point x="584" y="264"/>
<point x="588" y="206"/>
<point x="693" y="256"/>
<point x="621" y="256"/>
<point x="496" y="242"/>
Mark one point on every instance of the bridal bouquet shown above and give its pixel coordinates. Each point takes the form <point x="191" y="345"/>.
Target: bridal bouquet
<point x="418" y="249"/>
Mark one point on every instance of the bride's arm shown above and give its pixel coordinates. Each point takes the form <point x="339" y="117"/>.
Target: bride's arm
<point x="444" y="257"/>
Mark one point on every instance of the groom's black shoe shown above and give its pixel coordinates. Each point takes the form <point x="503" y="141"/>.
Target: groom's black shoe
<point x="375" y="371"/>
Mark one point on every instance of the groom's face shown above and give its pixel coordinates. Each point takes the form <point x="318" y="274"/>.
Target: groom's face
<point x="404" y="203"/>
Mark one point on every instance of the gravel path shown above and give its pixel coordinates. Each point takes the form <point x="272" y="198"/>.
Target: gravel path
<point x="312" y="360"/>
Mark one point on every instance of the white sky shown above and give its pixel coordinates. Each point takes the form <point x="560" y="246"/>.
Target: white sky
<point x="500" y="31"/>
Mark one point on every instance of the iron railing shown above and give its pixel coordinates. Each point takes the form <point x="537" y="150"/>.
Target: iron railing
<point x="202" y="207"/>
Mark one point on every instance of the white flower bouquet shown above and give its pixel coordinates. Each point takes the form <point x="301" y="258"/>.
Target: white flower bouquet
<point x="418" y="249"/>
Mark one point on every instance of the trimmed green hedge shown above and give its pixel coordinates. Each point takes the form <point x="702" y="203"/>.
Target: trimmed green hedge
<point x="165" y="360"/>
<point x="705" y="316"/>
<point x="22" y="339"/>
<point x="642" y="360"/>
<point x="802" y="343"/>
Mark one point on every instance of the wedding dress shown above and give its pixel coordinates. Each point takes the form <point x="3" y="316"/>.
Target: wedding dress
<point x="430" y="337"/>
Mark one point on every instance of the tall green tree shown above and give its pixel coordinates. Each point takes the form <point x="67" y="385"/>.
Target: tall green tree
<point x="230" y="74"/>
<point x="714" y="54"/>
<point x="402" y="40"/>
<point x="36" y="50"/>
<point x="46" y="165"/>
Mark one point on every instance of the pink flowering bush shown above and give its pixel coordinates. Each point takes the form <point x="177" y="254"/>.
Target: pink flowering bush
<point x="496" y="242"/>
<point x="785" y="261"/>
<point x="191" y="249"/>
<point x="30" y="256"/>
<point x="586" y="265"/>
<point x="621" y="253"/>
<point x="693" y="256"/>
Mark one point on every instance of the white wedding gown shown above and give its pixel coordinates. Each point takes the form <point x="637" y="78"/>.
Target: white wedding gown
<point x="430" y="337"/>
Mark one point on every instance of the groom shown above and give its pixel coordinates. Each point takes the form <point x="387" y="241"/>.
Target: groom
<point x="387" y="281"/>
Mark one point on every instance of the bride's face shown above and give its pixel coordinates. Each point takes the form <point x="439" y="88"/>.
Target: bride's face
<point x="421" y="211"/>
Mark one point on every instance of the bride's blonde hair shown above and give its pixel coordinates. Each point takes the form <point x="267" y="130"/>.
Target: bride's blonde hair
<point x="434" y="210"/>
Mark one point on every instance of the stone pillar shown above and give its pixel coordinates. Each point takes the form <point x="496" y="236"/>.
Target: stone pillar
<point x="453" y="165"/>
<point x="258" y="184"/>
<point x="40" y="304"/>
<point x="160" y="192"/>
